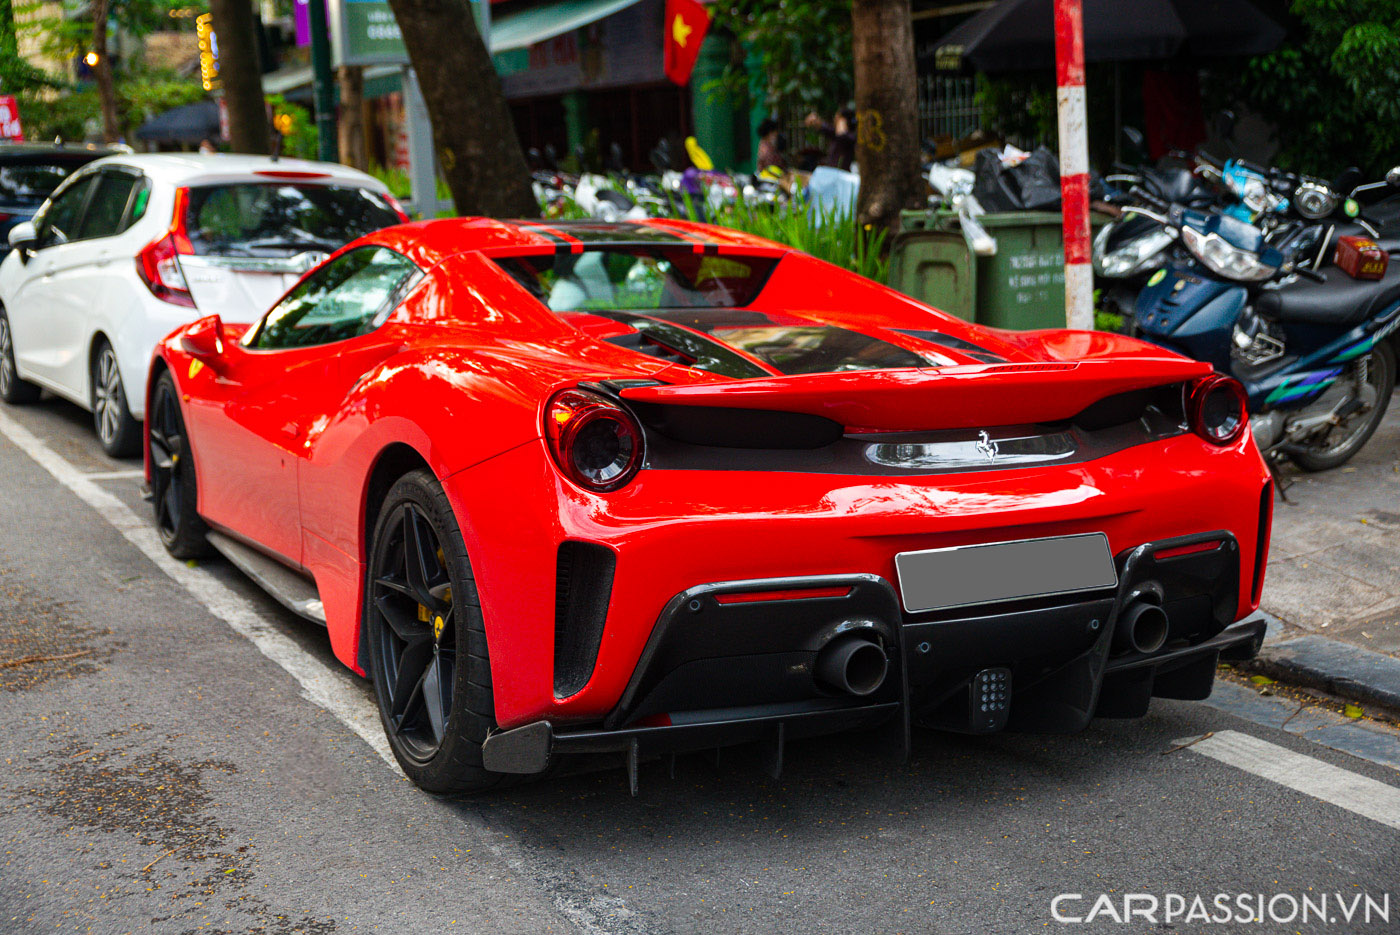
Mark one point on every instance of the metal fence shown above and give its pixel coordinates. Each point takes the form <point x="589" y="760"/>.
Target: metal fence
<point x="948" y="106"/>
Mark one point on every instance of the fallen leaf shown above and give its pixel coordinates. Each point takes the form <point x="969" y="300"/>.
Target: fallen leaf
<point x="1353" y="711"/>
<point x="1261" y="680"/>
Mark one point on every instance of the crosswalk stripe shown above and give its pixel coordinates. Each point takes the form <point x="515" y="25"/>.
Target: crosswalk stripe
<point x="1355" y="793"/>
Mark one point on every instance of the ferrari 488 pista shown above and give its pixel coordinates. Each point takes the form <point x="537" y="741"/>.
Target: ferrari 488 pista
<point x="654" y="487"/>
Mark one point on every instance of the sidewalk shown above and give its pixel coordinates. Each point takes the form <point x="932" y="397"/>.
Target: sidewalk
<point x="1334" y="564"/>
<point x="1334" y="577"/>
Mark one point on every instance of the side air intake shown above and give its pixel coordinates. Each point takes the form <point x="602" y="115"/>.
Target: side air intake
<point x="584" y="577"/>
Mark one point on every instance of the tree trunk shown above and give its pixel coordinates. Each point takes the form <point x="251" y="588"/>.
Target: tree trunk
<point x="473" y="131"/>
<point x="102" y="71"/>
<point x="887" y="112"/>
<point x="240" y="74"/>
<point x="351" y="125"/>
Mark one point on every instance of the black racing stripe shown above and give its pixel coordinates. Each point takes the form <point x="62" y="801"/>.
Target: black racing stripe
<point x="561" y="245"/>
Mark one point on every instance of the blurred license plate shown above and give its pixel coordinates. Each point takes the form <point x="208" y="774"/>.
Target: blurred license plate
<point x="1004" y="571"/>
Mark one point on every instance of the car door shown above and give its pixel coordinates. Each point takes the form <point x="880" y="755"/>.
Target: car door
<point x="250" y="433"/>
<point x="98" y="283"/>
<point x="44" y="306"/>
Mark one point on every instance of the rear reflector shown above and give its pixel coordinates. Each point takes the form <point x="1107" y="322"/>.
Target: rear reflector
<point x="1186" y="550"/>
<point x="789" y="594"/>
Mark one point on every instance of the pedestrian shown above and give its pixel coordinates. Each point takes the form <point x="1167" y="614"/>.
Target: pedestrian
<point x="770" y="153"/>
<point x="840" y="136"/>
<point x="207" y="147"/>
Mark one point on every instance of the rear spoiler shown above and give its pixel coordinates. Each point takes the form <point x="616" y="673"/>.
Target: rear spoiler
<point x="970" y="396"/>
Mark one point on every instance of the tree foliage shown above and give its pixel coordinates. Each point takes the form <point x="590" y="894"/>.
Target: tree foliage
<point x="804" y="47"/>
<point x="1332" y="90"/>
<point x="141" y="94"/>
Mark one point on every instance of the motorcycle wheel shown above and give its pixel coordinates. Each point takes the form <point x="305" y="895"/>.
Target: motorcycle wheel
<point x="1341" y="443"/>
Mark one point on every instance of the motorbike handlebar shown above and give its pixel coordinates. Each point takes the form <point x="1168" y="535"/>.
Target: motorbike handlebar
<point x="1146" y="197"/>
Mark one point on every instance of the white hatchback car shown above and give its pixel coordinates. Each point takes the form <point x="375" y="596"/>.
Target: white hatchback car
<point x="131" y="247"/>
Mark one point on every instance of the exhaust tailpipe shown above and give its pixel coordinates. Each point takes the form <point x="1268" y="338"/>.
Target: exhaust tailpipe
<point x="1141" y="629"/>
<point x="853" y="664"/>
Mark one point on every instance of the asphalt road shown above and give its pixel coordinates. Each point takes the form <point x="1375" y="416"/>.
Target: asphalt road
<point x="192" y="759"/>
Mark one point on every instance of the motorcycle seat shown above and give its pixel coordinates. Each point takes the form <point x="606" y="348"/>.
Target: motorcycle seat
<point x="1340" y="301"/>
<point x="1178" y="186"/>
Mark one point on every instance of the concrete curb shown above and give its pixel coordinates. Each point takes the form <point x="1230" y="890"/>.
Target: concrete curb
<point x="1335" y="667"/>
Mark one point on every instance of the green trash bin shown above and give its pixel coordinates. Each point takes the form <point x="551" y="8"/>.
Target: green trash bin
<point x="1022" y="286"/>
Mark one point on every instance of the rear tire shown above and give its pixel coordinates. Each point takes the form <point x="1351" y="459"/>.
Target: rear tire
<point x="117" y="431"/>
<point x="1382" y="377"/>
<point x="174" y="487"/>
<point x="13" y="389"/>
<point x="427" y="642"/>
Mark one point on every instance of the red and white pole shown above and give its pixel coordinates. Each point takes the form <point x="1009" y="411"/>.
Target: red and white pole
<point x="1074" y="162"/>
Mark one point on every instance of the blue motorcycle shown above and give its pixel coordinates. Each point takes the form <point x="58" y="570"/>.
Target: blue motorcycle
<point x="1312" y="346"/>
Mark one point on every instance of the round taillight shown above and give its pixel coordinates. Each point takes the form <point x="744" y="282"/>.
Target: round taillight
<point x="1217" y="409"/>
<point x="595" y="442"/>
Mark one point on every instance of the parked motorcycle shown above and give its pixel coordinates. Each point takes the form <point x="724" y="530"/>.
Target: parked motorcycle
<point x="1312" y="347"/>
<point x="1133" y="246"/>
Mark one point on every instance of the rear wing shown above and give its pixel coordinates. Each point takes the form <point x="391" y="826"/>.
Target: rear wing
<point x="971" y="396"/>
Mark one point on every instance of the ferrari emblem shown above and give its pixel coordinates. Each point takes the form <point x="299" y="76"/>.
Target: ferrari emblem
<point x="680" y="31"/>
<point x="987" y="446"/>
<point x="438" y="624"/>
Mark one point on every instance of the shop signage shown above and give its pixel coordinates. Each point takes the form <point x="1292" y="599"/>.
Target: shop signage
<point x="364" y="32"/>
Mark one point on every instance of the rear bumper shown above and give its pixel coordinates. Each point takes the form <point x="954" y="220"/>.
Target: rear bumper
<point x="717" y="672"/>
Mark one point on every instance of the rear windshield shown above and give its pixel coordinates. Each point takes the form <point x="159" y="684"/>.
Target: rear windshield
<point x="278" y="219"/>
<point x="30" y="183"/>
<point x="640" y="278"/>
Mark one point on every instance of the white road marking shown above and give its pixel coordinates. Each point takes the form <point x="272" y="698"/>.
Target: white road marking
<point x="115" y="475"/>
<point x="320" y="685"/>
<point x="1355" y="793"/>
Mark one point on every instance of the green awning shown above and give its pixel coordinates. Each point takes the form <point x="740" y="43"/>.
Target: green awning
<point x="522" y="30"/>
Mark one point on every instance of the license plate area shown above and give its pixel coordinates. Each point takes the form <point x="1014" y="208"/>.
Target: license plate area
<point x="965" y="576"/>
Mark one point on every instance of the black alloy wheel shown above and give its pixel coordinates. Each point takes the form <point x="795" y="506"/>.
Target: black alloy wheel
<point x="174" y="490"/>
<point x="13" y="389"/>
<point x="427" y="642"/>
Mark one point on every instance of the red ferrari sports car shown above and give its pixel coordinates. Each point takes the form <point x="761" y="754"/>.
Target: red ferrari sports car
<point x="641" y="488"/>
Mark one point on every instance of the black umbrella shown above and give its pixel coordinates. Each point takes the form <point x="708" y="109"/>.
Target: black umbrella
<point x="1017" y="35"/>
<point x="192" y="123"/>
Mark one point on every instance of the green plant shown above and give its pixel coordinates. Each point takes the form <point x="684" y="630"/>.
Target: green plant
<point x="299" y="134"/>
<point x="803" y="49"/>
<point x="401" y="186"/>
<point x="1332" y="89"/>
<point x="829" y="234"/>
<point x="1108" y="321"/>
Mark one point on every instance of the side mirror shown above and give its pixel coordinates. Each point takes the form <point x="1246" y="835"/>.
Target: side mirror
<point x="204" y="340"/>
<point x="1392" y="178"/>
<point x="24" y="236"/>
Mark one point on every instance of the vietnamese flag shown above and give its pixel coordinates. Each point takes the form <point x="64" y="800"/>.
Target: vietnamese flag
<point x="686" y="23"/>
